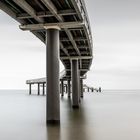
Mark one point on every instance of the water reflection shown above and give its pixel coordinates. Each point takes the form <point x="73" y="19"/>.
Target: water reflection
<point x="72" y="125"/>
<point x="100" y="117"/>
<point x="53" y="132"/>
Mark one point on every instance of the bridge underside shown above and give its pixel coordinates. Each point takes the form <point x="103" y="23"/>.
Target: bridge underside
<point x="64" y="27"/>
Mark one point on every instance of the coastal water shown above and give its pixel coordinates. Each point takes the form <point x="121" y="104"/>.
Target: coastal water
<point x="110" y="115"/>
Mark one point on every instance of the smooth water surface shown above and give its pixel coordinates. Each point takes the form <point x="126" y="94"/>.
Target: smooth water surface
<point x="110" y="115"/>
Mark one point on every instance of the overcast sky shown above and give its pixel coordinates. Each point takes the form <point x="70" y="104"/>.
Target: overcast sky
<point x="116" y="36"/>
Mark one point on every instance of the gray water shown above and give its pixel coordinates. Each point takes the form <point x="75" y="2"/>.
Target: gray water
<point x="111" y="115"/>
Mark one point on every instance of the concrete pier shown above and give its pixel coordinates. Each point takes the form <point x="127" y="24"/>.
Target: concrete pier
<point x="30" y="89"/>
<point x="100" y="89"/>
<point x="75" y="83"/>
<point x="43" y="88"/>
<point x="69" y="88"/>
<point x="72" y="17"/>
<point x="62" y="88"/>
<point x="52" y="88"/>
<point x="38" y="89"/>
<point x="81" y="85"/>
<point x="66" y="88"/>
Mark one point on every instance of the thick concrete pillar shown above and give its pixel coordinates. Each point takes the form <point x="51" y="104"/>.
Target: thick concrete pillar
<point x="75" y="83"/>
<point x="100" y="89"/>
<point x="83" y="89"/>
<point x="66" y="86"/>
<point x="30" y="89"/>
<point x="81" y="85"/>
<point x="43" y="88"/>
<point x="38" y="89"/>
<point x="62" y="88"/>
<point x="52" y="88"/>
<point x="69" y="88"/>
<point x="88" y="89"/>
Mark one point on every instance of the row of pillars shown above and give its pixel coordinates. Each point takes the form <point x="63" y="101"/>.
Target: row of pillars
<point x="38" y="88"/>
<point x="91" y="89"/>
<point x="67" y="88"/>
<point x="52" y="74"/>
<point x="52" y="71"/>
<point x="64" y="88"/>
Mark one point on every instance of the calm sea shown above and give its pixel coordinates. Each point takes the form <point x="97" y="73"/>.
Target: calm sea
<point x="110" y="115"/>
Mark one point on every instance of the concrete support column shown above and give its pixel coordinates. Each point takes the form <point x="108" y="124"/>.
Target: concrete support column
<point x="88" y="89"/>
<point x="100" y="89"/>
<point x="83" y="89"/>
<point x="62" y="88"/>
<point x="52" y="88"/>
<point x="66" y="88"/>
<point x="69" y="88"/>
<point x="38" y="89"/>
<point x="30" y="89"/>
<point x="75" y="83"/>
<point x="81" y="85"/>
<point x="43" y="88"/>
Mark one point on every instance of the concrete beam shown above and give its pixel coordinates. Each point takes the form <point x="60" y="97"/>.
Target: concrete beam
<point x="75" y="39"/>
<point x="11" y="13"/>
<point x="77" y="8"/>
<point x="63" y="25"/>
<point x="47" y="14"/>
<point x="64" y="50"/>
<point x="38" y="36"/>
<point x="66" y="12"/>
<point x="54" y="11"/>
<point x="79" y="47"/>
<point x="7" y="10"/>
<point x="88" y="34"/>
<point x="76" y="57"/>
<point x="26" y="7"/>
<point x="72" y="41"/>
<point x="79" y="69"/>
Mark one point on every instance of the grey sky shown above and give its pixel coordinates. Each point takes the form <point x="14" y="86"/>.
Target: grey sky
<point x="116" y="34"/>
<point x="116" y="31"/>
